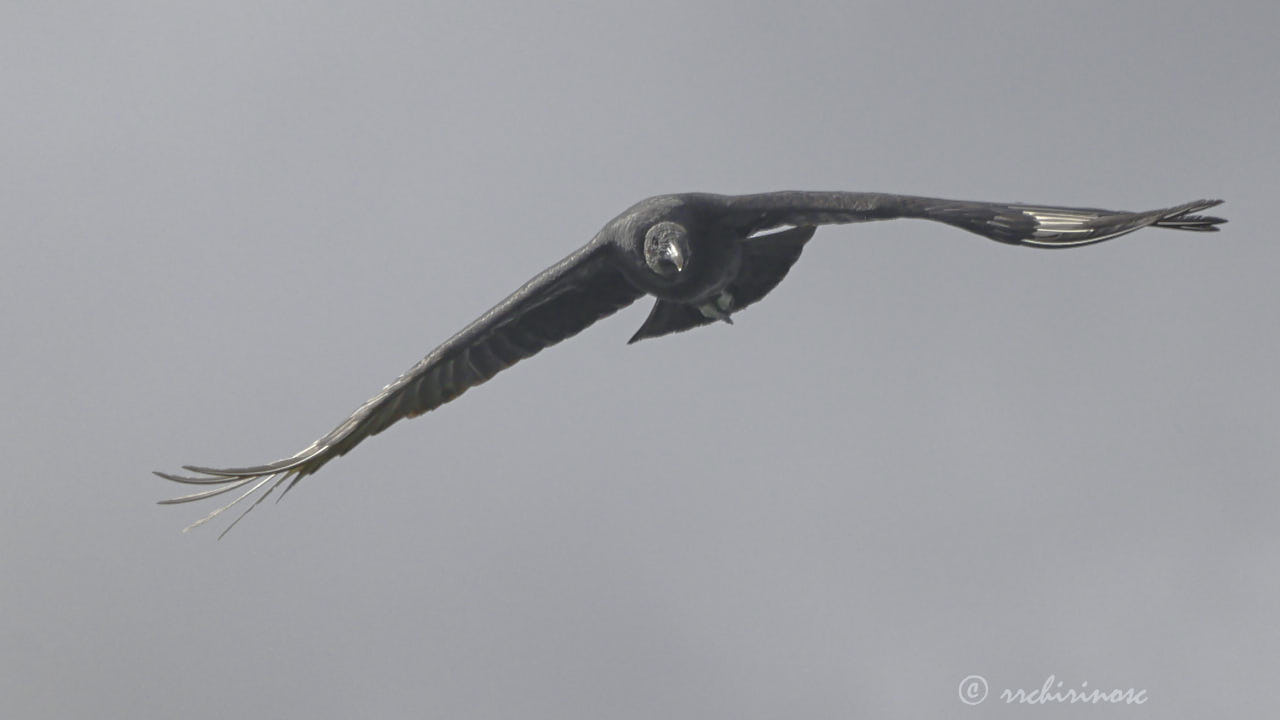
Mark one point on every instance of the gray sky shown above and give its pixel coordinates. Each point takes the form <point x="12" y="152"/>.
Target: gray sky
<point x="925" y="456"/>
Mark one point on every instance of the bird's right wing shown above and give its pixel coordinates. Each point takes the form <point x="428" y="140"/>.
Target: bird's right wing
<point x="556" y="304"/>
<point x="1016" y="224"/>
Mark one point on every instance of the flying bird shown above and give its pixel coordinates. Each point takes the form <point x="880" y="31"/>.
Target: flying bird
<point x="703" y="257"/>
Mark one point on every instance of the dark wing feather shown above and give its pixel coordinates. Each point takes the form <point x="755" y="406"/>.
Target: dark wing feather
<point x="1016" y="224"/>
<point x="558" y="303"/>
<point x="766" y="260"/>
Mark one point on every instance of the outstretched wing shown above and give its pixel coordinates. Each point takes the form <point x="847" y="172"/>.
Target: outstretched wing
<point x="558" y="303"/>
<point x="1016" y="224"/>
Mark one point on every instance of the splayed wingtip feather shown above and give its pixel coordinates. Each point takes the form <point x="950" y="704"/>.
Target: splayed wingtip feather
<point x="255" y="503"/>
<point x="219" y="480"/>
<point x="232" y="485"/>
<point x="256" y="471"/>
<point x="242" y="496"/>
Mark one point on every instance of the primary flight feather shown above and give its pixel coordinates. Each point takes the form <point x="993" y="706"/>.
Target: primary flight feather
<point x="703" y="256"/>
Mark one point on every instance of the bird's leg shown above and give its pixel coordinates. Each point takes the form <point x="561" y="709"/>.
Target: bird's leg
<point x="718" y="309"/>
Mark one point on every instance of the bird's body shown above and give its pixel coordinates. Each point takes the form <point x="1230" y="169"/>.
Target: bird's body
<point x="703" y="257"/>
<point x="715" y="261"/>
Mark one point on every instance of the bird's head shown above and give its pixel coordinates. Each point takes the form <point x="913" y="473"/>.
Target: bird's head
<point x="666" y="248"/>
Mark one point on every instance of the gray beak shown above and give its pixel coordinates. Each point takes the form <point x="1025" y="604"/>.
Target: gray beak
<point x="676" y="257"/>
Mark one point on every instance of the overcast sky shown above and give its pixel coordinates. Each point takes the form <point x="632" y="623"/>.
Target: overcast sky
<point x="925" y="456"/>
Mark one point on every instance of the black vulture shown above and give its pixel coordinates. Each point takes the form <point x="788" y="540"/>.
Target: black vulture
<point x="703" y="256"/>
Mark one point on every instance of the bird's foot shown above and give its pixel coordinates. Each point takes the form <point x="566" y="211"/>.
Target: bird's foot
<point x="718" y="309"/>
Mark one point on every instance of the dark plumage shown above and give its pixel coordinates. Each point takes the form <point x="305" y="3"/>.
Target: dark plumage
<point x="703" y="257"/>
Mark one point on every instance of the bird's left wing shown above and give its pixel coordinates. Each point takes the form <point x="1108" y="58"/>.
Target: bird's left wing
<point x="558" y="303"/>
<point x="1047" y="226"/>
